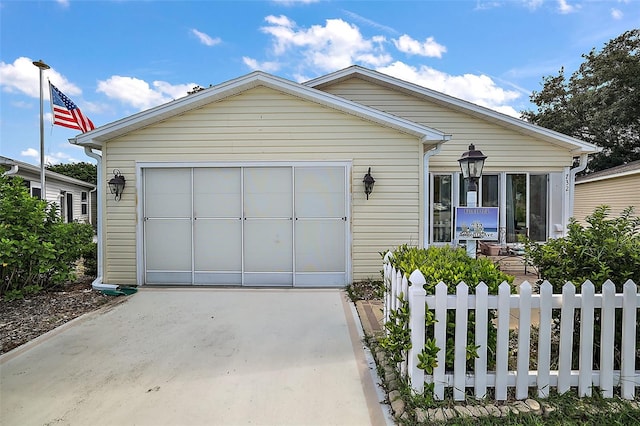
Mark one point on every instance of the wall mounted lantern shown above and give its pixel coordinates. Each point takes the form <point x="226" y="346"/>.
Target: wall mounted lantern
<point x="471" y="164"/>
<point x="116" y="184"/>
<point x="368" y="183"/>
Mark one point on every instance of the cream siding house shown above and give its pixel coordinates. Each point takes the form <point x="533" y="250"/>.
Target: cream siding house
<point x="259" y="180"/>
<point x="74" y="198"/>
<point x="617" y="187"/>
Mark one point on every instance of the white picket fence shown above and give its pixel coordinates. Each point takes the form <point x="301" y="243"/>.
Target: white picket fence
<point x="522" y="379"/>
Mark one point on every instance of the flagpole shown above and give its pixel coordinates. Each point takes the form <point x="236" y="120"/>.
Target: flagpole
<point x="43" y="188"/>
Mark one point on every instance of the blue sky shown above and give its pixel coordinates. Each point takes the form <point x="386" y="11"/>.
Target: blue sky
<point x="115" y="58"/>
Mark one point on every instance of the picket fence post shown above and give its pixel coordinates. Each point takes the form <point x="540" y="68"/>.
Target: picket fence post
<point x="482" y="319"/>
<point x="566" y="337"/>
<point x="417" y="312"/>
<point x="502" y="344"/>
<point x="585" y="379"/>
<point x="629" y="307"/>
<point x="460" y="342"/>
<point x="607" y="338"/>
<point x="524" y="338"/>
<point x="440" y="335"/>
<point x="544" y="339"/>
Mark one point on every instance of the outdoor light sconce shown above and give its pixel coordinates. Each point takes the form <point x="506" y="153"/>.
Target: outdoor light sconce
<point x="471" y="164"/>
<point x="368" y="183"/>
<point x="116" y="184"/>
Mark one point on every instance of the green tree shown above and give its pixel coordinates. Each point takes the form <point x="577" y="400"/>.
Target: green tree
<point x="82" y="171"/>
<point x="599" y="103"/>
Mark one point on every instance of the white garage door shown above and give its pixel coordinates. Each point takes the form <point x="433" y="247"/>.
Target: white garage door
<point x="253" y="226"/>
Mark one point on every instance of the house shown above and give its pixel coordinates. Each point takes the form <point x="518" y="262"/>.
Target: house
<point x="616" y="187"/>
<point x="75" y="198"/>
<point x="259" y="180"/>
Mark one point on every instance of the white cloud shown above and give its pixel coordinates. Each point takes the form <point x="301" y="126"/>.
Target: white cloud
<point x="261" y="66"/>
<point x="429" y="47"/>
<point x="63" y="3"/>
<point x="478" y="89"/>
<point x="205" y="39"/>
<point x="22" y="76"/>
<point x="139" y="94"/>
<point x="30" y="152"/>
<point x="565" y="8"/>
<point x="533" y="4"/>
<point x="617" y="14"/>
<point x="335" y="45"/>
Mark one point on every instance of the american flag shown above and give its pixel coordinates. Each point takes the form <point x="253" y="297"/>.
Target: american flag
<point x="66" y="113"/>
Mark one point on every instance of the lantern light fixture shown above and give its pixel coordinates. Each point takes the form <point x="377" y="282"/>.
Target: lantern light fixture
<point x="368" y="183"/>
<point x="471" y="164"/>
<point x="116" y="184"/>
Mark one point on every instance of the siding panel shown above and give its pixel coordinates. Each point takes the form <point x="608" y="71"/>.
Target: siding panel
<point x="505" y="149"/>
<point x="265" y="125"/>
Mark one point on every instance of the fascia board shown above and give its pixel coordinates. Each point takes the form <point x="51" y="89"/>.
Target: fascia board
<point x="142" y="119"/>
<point x="48" y="174"/>
<point x="575" y="146"/>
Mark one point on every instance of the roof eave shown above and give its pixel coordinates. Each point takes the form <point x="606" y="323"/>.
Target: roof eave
<point x="576" y="146"/>
<point x="95" y="138"/>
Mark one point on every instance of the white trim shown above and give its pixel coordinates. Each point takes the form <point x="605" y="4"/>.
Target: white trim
<point x="576" y="146"/>
<point x="96" y="137"/>
<point x="587" y="179"/>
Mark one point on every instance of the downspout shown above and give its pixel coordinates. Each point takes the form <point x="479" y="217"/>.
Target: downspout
<point x="12" y="171"/>
<point x="97" y="283"/>
<point x="572" y="186"/>
<point x="427" y="191"/>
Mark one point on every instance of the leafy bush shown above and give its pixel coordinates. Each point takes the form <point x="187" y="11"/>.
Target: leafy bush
<point x="608" y="248"/>
<point x="37" y="250"/>
<point x="451" y="266"/>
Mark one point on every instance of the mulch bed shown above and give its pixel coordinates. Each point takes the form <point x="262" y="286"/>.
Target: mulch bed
<point x="24" y="320"/>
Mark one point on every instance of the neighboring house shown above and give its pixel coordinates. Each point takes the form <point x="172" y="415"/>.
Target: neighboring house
<point x="617" y="187"/>
<point x="259" y="180"/>
<point x="76" y="199"/>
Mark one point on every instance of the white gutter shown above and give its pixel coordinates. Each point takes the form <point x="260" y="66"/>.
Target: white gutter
<point x="97" y="283"/>
<point x="12" y="171"/>
<point x="572" y="184"/>
<point x="427" y="191"/>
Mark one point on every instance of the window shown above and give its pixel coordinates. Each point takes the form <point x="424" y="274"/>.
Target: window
<point x="526" y="207"/>
<point x="36" y="192"/>
<point x="442" y="211"/>
<point x="83" y="201"/>
<point x="538" y="188"/>
<point x="521" y="197"/>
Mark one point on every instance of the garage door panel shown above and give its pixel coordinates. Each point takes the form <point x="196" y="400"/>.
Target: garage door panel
<point x="320" y="191"/>
<point x="268" y="245"/>
<point x="217" y="192"/>
<point x="168" y="244"/>
<point x="237" y="225"/>
<point x="218" y="245"/>
<point x="167" y="193"/>
<point x="268" y="192"/>
<point x="320" y="246"/>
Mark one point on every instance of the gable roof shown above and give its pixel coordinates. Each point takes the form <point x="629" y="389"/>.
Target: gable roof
<point x="631" y="168"/>
<point x="233" y="87"/>
<point x="10" y="163"/>
<point x="576" y="146"/>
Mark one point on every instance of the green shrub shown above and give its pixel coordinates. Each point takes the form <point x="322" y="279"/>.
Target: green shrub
<point x="608" y="248"/>
<point x="451" y="266"/>
<point x="37" y="250"/>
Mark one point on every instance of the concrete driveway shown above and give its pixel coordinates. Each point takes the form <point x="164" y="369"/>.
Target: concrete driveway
<point x="198" y="357"/>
